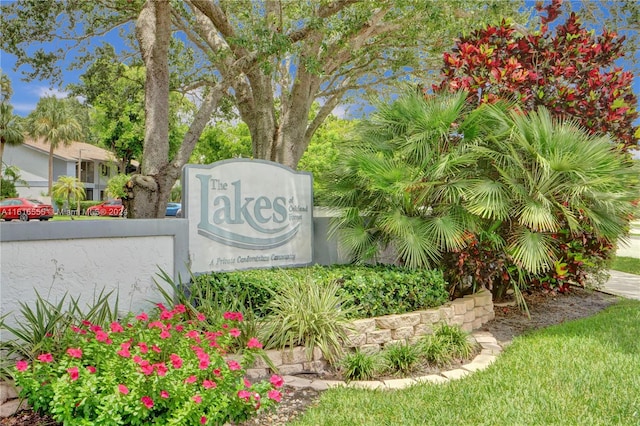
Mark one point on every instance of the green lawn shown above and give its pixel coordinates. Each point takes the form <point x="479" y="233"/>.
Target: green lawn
<point x="585" y="372"/>
<point x="630" y="265"/>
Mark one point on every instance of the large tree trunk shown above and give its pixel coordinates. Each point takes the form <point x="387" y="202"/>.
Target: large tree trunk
<point x="146" y="191"/>
<point x="149" y="191"/>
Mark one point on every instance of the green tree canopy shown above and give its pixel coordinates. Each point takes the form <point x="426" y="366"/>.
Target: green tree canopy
<point x="272" y="59"/>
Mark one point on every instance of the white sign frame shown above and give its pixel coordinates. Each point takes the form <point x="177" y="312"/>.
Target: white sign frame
<point x="246" y="214"/>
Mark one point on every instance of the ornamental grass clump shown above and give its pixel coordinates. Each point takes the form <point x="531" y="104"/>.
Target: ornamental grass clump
<point x="160" y="369"/>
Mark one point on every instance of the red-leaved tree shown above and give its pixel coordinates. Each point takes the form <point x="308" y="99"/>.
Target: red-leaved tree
<point x="568" y="69"/>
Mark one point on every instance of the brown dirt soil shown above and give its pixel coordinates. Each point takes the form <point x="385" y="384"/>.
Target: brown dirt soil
<point x="545" y="309"/>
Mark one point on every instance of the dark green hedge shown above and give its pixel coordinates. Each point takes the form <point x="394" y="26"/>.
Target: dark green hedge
<point x="371" y="290"/>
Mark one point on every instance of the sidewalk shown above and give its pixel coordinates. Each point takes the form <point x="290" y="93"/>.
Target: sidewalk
<point x="623" y="284"/>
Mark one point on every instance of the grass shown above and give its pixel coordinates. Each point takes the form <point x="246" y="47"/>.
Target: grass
<point x="581" y="372"/>
<point x="629" y="265"/>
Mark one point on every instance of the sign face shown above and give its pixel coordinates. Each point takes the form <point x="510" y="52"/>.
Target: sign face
<point x="247" y="214"/>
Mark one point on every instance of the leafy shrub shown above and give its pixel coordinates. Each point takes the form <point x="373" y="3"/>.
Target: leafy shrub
<point x="160" y="369"/>
<point x="580" y="256"/>
<point x="401" y="357"/>
<point x="307" y="313"/>
<point x="251" y="290"/>
<point x="7" y="189"/>
<point x="359" y="365"/>
<point x="384" y="289"/>
<point x="369" y="290"/>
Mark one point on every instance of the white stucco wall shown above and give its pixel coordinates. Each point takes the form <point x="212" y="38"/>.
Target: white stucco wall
<point x="124" y="256"/>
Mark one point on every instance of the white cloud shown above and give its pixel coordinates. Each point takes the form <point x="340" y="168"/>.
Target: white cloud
<point x="43" y="91"/>
<point x="341" y="111"/>
<point x="23" y="107"/>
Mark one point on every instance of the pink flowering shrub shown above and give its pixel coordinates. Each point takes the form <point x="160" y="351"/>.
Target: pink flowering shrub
<point x="152" y="370"/>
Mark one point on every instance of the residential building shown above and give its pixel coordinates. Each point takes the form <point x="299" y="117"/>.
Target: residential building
<point x="97" y="166"/>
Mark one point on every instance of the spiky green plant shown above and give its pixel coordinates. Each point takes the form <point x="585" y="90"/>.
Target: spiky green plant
<point x="307" y="313"/>
<point x="359" y="365"/>
<point x="401" y="357"/>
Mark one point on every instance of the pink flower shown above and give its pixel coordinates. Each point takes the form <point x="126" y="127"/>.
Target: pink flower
<point x="45" y="358"/>
<point x="164" y="334"/>
<point x="179" y="328"/>
<point x="143" y="347"/>
<point x="86" y="323"/>
<point x="22" y="365"/>
<point x="243" y="394"/>
<point x="142" y="317"/>
<point x="124" y="350"/>
<point x="276" y="381"/>
<point x="156" y="349"/>
<point x="190" y="379"/>
<point x="157" y="324"/>
<point x="233" y="365"/>
<point x="166" y="315"/>
<point x="101" y="336"/>
<point x="91" y="369"/>
<point x="161" y="307"/>
<point x="233" y="316"/>
<point x="164" y="394"/>
<point x="161" y="369"/>
<point x="74" y="352"/>
<point x="116" y="327"/>
<point x="234" y="332"/>
<point x="203" y="420"/>
<point x="146" y="367"/>
<point x="123" y="389"/>
<point x="246" y="382"/>
<point x="204" y="364"/>
<point x="73" y="373"/>
<point x="208" y="384"/>
<point x="137" y="359"/>
<point x="95" y="328"/>
<point x="197" y="399"/>
<point x="201" y="317"/>
<point x="193" y="334"/>
<point x="180" y="309"/>
<point x="275" y="395"/>
<point x="176" y="361"/>
<point x="254" y="343"/>
<point x="147" y="401"/>
<point x="216" y="372"/>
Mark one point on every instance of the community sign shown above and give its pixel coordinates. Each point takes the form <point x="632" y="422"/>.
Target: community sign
<point x="247" y="214"/>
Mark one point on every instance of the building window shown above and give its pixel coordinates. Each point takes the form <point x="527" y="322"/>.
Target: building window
<point x="104" y="169"/>
<point x="89" y="194"/>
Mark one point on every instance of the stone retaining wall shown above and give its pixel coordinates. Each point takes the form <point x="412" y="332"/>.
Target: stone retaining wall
<point x="371" y="334"/>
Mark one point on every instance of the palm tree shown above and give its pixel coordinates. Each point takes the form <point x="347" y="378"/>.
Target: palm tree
<point x="422" y="175"/>
<point x="67" y="187"/>
<point x="5" y="88"/>
<point x="11" y="132"/>
<point x="53" y="121"/>
<point x="543" y="175"/>
<point x="399" y="182"/>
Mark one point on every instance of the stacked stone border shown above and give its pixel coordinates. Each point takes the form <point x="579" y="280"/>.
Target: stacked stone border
<point x="490" y="350"/>
<point x="372" y="334"/>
